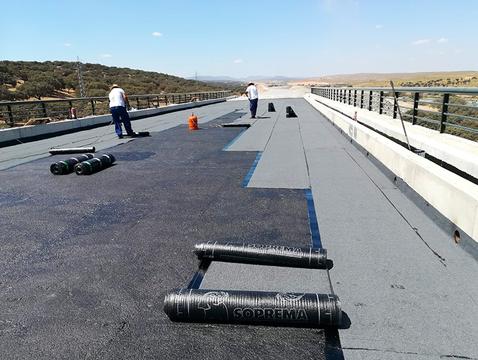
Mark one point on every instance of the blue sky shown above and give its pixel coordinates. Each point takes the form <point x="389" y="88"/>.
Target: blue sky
<point x="301" y="38"/>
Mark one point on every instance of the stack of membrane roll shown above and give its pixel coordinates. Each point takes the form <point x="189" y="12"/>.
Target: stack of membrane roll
<point x="256" y="307"/>
<point x="67" y="166"/>
<point x="95" y="164"/>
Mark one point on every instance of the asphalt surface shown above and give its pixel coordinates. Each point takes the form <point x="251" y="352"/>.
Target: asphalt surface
<point x="87" y="259"/>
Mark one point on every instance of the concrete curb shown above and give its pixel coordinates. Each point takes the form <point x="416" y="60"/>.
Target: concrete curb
<point x="456" y="151"/>
<point x="36" y="132"/>
<point x="454" y="197"/>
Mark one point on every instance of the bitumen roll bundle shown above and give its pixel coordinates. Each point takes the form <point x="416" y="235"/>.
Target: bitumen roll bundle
<point x="303" y="257"/>
<point x="253" y="307"/>
<point x="94" y="165"/>
<point x="67" y="166"/>
<point x="58" y="151"/>
<point x="289" y="112"/>
<point x="271" y="107"/>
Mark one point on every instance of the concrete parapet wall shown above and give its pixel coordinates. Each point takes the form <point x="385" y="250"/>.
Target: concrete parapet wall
<point x="458" y="152"/>
<point x="453" y="196"/>
<point x="32" y="132"/>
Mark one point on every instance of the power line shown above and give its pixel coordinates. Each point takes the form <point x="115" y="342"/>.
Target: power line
<point x="80" y="78"/>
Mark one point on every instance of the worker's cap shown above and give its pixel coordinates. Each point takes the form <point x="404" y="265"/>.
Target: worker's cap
<point x="250" y="84"/>
<point x="114" y="86"/>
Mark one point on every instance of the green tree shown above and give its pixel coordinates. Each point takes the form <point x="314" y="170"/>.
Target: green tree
<point x="5" y="94"/>
<point x="36" y="89"/>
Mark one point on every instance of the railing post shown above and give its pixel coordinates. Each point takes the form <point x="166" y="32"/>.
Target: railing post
<point x="43" y="106"/>
<point x="149" y="104"/>
<point x="380" y="103"/>
<point x="416" y="100"/>
<point x="157" y="99"/>
<point x="370" y="95"/>
<point x="10" y="115"/>
<point x="349" y="96"/>
<point x="137" y="102"/>
<point x="93" y="110"/>
<point x="70" y="113"/>
<point x="395" y="105"/>
<point x="355" y="98"/>
<point x="444" y="112"/>
<point x="361" y="99"/>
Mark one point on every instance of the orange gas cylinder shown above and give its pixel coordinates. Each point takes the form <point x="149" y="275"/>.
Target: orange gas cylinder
<point x="193" y="122"/>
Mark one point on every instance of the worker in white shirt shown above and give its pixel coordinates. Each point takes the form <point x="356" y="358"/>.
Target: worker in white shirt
<point x="253" y="97"/>
<point x="118" y="101"/>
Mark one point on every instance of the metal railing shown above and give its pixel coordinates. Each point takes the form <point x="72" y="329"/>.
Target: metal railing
<point x="19" y="113"/>
<point x="450" y="110"/>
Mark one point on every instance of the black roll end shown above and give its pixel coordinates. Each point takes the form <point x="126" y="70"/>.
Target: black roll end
<point x="79" y="170"/>
<point x="55" y="169"/>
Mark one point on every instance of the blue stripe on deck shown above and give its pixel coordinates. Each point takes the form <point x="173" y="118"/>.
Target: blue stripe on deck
<point x="313" y="223"/>
<point x="251" y="170"/>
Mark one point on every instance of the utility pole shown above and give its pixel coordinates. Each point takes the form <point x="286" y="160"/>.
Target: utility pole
<point x="80" y="78"/>
<point x="196" y="76"/>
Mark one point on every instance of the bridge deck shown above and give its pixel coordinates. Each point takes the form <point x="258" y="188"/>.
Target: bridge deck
<point x="87" y="260"/>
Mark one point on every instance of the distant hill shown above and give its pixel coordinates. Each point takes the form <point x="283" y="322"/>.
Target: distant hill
<point x="215" y="78"/>
<point x="58" y="79"/>
<point x="422" y="79"/>
<point x="246" y="79"/>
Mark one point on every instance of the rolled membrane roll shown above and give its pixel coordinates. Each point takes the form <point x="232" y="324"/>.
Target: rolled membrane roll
<point x="56" y="151"/>
<point x="303" y="257"/>
<point x="67" y="166"/>
<point x="94" y="165"/>
<point x="290" y="113"/>
<point x="253" y="307"/>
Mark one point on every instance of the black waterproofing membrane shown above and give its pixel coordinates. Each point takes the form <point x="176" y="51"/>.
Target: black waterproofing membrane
<point x="67" y="166"/>
<point x="58" y="151"/>
<point x="253" y="307"/>
<point x="94" y="165"/>
<point x="289" y="112"/>
<point x="271" y="108"/>
<point x="303" y="257"/>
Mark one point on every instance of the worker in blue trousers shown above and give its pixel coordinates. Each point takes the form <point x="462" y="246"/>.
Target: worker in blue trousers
<point x="118" y="101"/>
<point x="253" y="96"/>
